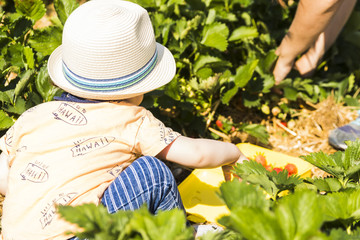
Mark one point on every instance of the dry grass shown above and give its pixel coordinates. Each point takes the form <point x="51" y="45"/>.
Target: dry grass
<point x="307" y="133"/>
<point x="311" y="129"/>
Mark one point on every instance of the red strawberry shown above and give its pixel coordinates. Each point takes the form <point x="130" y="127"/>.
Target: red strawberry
<point x="260" y="158"/>
<point x="291" y="168"/>
<point x="219" y="124"/>
<point x="269" y="168"/>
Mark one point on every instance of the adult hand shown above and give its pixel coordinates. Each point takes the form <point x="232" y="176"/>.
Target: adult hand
<point x="305" y="65"/>
<point x="309" y="61"/>
<point x="282" y="67"/>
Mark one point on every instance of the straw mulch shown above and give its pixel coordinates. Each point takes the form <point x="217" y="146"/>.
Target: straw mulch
<point x="307" y="132"/>
<point x="311" y="130"/>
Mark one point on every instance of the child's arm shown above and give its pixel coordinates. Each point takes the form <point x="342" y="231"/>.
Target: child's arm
<point x="4" y="172"/>
<point x="201" y="153"/>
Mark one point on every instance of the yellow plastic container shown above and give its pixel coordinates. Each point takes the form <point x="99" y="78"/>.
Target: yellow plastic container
<point x="199" y="190"/>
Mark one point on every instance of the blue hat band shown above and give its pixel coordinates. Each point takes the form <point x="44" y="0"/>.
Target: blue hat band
<point x="109" y="85"/>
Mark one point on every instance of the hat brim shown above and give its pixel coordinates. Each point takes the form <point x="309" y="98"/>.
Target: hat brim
<point x="163" y="72"/>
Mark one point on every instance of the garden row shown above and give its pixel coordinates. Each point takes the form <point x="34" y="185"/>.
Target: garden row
<point x="224" y="51"/>
<point x="266" y="204"/>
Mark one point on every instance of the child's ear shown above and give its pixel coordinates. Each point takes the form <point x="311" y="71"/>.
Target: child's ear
<point x="135" y="100"/>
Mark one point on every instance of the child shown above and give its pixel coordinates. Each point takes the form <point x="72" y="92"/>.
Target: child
<point x="95" y="144"/>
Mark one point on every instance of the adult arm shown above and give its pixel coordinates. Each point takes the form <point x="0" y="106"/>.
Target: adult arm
<point x="311" y="18"/>
<point x="308" y="62"/>
<point x="201" y="153"/>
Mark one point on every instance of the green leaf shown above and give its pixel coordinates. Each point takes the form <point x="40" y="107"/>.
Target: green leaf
<point x="96" y="221"/>
<point x="244" y="73"/>
<point x="299" y="215"/>
<point x="243" y="32"/>
<point x="325" y="162"/>
<point x="342" y="205"/>
<point x="29" y="57"/>
<point x="2" y="64"/>
<point x="20" y="27"/>
<point x="46" y="40"/>
<point x="172" y="90"/>
<point x="18" y="108"/>
<point x="162" y="226"/>
<point x="64" y="8"/>
<point x="211" y="16"/>
<point x="254" y="224"/>
<point x="272" y="182"/>
<point x="265" y="64"/>
<point x="5" y="121"/>
<point x="226" y="98"/>
<point x="215" y="35"/>
<point x="7" y="96"/>
<point x="34" y="9"/>
<point x="240" y="194"/>
<point x="296" y="216"/>
<point x="25" y="78"/>
<point x="343" y="165"/>
<point x="205" y="73"/>
<point x="15" y="52"/>
<point x="249" y="167"/>
<point x="290" y="93"/>
<point x="251" y="100"/>
<point x="258" y="131"/>
<point x="254" y="173"/>
<point x="44" y="85"/>
<point x="203" y="60"/>
<point x="350" y="101"/>
<point x="329" y="184"/>
<point x="341" y="234"/>
<point x="180" y="27"/>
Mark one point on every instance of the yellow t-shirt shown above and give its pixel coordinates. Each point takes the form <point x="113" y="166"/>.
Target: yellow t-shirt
<point x="67" y="153"/>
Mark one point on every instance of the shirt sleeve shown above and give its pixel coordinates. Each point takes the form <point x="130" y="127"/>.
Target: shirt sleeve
<point x="6" y="141"/>
<point x="153" y="136"/>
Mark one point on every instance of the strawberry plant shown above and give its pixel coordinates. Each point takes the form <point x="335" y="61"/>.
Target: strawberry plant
<point x="221" y="49"/>
<point x="343" y="166"/>
<point x="24" y="49"/>
<point x="140" y="224"/>
<point x="273" y="182"/>
<point x="263" y="205"/>
<point x="224" y="52"/>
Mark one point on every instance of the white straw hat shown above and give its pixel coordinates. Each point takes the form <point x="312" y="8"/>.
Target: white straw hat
<point x="109" y="52"/>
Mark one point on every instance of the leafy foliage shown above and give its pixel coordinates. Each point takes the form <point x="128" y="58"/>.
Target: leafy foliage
<point x="345" y="166"/>
<point x="309" y="209"/>
<point x="24" y="51"/>
<point x="342" y="206"/>
<point x="297" y="216"/>
<point x="140" y="224"/>
<point x="224" y="51"/>
<point x="221" y="48"/>
<point x="272" y="182"/>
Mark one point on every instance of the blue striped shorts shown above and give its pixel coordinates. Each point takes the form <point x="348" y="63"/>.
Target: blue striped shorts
<point x="146" y="181"/>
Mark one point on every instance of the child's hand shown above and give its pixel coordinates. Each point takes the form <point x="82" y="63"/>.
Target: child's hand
<point x="229" y="167"/>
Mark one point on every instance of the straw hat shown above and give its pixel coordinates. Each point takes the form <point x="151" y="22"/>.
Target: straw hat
<point x="109" y="52"/>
